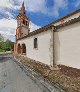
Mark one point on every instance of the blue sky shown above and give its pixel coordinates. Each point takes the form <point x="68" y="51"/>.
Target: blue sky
<point x="41" y="13"/>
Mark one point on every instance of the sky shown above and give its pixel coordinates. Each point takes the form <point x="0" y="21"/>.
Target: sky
<point x="40" y="12"/>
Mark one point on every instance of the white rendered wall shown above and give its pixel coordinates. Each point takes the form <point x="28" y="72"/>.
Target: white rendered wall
<point x="67" y="45"/>
<point x="42" y="53"/>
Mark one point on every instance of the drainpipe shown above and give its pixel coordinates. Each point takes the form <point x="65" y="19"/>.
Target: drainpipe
<point x="53" y="44"/>
<point x="52" y="47"/>
<point x="53" y="29"/>
<point x="55" y="67"/>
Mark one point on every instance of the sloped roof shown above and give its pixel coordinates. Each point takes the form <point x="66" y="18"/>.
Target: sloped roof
<point x="40" y="30"/>
<point x="68" y="22"/>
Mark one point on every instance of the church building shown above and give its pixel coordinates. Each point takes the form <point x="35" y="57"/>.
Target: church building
<point x="55" y="43"/>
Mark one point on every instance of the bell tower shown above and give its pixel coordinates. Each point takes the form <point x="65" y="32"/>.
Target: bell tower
<point x="22" y="23"/>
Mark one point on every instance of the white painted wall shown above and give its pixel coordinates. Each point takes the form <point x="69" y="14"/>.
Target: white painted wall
<point x="67" y="19"/>
<point x="41" y="54"/>
<point x="67" y="45"/>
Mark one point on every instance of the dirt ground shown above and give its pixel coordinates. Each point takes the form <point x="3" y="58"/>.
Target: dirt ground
<point x="66" y="77"/>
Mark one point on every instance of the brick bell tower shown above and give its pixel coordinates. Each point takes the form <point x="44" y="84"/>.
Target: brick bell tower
<point x="22" y="24"/>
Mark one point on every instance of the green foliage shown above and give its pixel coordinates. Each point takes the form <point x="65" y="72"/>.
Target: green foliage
<point x="1" y="38"/>
<point x="2" y="50"/>
<point x="6" y="46"/>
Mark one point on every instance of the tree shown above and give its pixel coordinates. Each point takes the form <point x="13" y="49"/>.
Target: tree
<point x="8" y="40"/>
<point x="1" y="38"/>
<point x="9" y="45"/>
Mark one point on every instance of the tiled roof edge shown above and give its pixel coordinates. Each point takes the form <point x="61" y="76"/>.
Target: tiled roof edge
<point x="40" y="30"/>
<point x="72" y="21"/>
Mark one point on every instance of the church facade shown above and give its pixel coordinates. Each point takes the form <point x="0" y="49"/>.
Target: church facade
<point x="56" y="43"/>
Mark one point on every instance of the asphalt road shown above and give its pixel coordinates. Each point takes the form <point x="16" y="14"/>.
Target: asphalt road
<point x="14" y="79"/>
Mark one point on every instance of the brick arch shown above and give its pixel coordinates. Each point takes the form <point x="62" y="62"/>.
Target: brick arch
<point x="23" y="48"/>
<point x="19" y="49"/>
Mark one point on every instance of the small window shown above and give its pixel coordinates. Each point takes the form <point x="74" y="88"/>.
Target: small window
<point x="35" y="43"/>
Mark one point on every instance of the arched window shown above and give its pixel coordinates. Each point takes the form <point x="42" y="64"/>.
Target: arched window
<point x="23" y="49"/>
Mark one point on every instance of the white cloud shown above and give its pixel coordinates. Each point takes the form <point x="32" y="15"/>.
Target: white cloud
<point x="8" y="28"/>
<point x="10" y="4"/>
<point x="8" y="23"/>
<point x="41" y="6"/>
<point x="58" y="5"/>
<point x="33" y="27"/>
<point x="9" y="14"/>
<point x="36" y="6"/>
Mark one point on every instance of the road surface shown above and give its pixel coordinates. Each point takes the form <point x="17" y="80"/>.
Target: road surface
<point x="13" y="79"/>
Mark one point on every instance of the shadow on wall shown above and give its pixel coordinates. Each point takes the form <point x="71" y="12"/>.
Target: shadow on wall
<point x="56" y="47"/>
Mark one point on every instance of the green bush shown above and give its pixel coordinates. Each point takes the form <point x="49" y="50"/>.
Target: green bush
<point x="1" y="50"/>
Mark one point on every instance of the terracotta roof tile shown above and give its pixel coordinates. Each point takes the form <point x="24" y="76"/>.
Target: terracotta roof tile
<point x="40" y="30"/>
<point x="68" y="23"/>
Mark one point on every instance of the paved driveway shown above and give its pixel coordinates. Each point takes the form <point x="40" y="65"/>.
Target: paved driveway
<point x="13" y="79"/>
